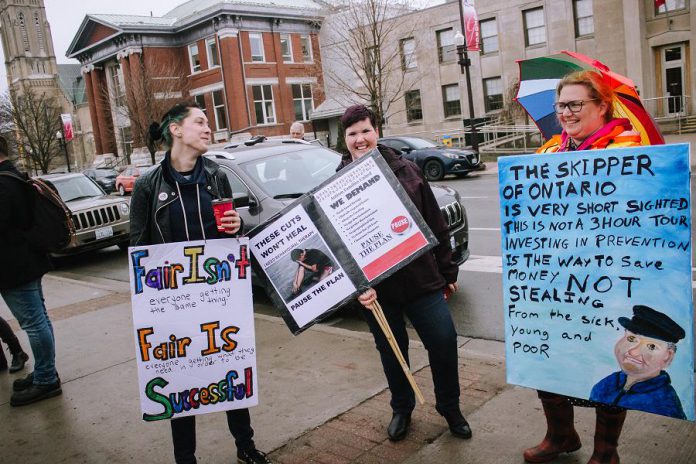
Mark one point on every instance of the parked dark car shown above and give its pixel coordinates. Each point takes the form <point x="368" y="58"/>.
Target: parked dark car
<point x="105" y="177"/>
<point x="268" y="175"/>
<point x="435" y="161"/>
<point x="100" y="220"/>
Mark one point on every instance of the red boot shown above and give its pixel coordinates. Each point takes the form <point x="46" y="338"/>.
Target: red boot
<point x="561" y="436"/>
<point x="606" y="439"/>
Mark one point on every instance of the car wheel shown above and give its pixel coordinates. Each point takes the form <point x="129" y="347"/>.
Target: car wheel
<point x="123" y="245"/>
<point x="122" y="190"/>
<point x="434" y="170"/>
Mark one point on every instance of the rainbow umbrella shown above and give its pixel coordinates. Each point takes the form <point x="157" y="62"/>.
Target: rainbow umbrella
<point x="537" y="92"/>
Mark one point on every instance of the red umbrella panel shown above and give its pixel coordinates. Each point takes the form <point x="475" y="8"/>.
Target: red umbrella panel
<point x="540" y="76"/>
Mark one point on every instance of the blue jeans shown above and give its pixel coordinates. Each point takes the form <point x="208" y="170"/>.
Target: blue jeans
<point x="26" y="303"/>
<point x="431" y="318"/>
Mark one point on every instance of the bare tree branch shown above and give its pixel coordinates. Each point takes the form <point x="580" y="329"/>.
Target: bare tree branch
<point x="366" y="55"/>
<point x="35" y="119"/>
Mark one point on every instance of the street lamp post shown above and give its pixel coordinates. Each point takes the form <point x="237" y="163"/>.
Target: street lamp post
<point x="61" y="141"/>
<point x="464" y="64"/>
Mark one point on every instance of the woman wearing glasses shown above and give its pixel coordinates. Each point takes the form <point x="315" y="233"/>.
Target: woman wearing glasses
<point x="584" y="107"/>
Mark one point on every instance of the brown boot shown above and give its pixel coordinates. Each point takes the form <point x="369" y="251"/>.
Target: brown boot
<point x="561" y="436"/>
<point x="606" y="438"/>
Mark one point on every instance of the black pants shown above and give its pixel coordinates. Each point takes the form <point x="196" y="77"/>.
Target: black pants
<point x="184" y="434"/>
<point x="8" y="336"/>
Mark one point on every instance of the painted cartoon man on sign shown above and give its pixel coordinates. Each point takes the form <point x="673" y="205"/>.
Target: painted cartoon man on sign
<point x="646" y="349"/>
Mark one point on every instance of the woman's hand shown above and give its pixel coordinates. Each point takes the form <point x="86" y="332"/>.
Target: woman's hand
<point x="231" y="222"/>
<point x="367" y="298"/>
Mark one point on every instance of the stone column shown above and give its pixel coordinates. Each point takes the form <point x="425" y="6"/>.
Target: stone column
<point x="233" y="74"/>
<point x="88" y="72"/>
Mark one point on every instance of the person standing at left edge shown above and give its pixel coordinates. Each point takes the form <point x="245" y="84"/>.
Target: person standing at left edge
<point x="416" y="291"/>
<point x="20" y="285"/>
<point x="173" y="203"/>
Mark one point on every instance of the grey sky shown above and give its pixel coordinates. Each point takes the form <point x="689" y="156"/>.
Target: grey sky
<point x="65" y="17"/>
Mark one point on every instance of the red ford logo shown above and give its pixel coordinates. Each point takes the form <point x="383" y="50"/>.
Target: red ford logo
<point x="400" y="224"/>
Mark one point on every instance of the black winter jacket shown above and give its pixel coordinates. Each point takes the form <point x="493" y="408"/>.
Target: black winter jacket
<point x="20" y="262"/>
<point x="433" y="270"/>
<point x="152" y="195"/>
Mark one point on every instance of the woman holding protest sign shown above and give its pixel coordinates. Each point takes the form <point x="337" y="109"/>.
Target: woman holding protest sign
<point x="174" y="203"/>
<point x="416" y="291"/>
<point x="584" y="107"/>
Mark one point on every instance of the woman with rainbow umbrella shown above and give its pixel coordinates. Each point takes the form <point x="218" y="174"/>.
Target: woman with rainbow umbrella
<point x="586" y="110"/>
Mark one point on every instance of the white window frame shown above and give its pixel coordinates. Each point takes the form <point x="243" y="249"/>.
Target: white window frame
<point x="487" y="83"/>
<point x="445" y="51"/>
<point x="483" y="24"/>
<point x="526" y="16"/>
<point x="288" y="38"/>
<point x="303" y="101"/>
<point x="577" y="18"/>
<point x="308" y="47"/>
<point x="445" y="100"/>
<point x="200" y="101"/>
<point x="194" y="67"/>
<point x="408" y="57"/>
<point x="219" y="125"/>
<point x="256" y="36"/>
<point x="266" y="119"/>
<point x="211" y="50"/>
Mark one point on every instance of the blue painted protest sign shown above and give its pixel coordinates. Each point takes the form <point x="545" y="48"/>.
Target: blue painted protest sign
<point x="597" y="287"/>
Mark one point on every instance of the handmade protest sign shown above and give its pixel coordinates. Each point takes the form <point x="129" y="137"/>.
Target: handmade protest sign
<point x="352" y="231"/>
<point x="597" y="276"/>
<point x="194" y="327"/>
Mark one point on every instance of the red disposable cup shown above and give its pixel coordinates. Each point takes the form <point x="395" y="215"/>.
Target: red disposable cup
<point x="219" y="208"/>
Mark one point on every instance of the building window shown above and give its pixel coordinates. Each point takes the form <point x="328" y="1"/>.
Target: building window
<point x="445" y="45"/>
<point x="493" y="93"/>
<point x="450" y="100"/>
<point x="534" y="26"/>
<point x="306" y="45"/>
<point x="489" y="35"/>
<point x="584" y="23"/>
<point x="117" y="90"/>
<point x="286" y="48"/>
<point x="212" y="49"/>
<point x="263" y="104"/>
<point x="414" y="111"/>
<point x="23" y="30"/>
<point x="220" y="110"/>
<point x="663" y="6"/>
<point x="39" y="31"/>
<point x="194" y="57"/>
<point x="256" y="44"/>
<point x="200" y="101"/>
<point x="126" y="137"/>
<point x="302" y="101"/>
<point x="408" y="54"/>
<point x="372" y="67"/>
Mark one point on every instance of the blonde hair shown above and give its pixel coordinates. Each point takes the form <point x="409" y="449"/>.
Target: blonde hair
<point x="595" y="85"/>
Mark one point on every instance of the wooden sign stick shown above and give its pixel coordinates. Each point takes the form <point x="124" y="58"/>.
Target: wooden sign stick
<point x="384" y="325"/>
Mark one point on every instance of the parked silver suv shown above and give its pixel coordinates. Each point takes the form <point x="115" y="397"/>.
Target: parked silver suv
<point x="100" y="220"/>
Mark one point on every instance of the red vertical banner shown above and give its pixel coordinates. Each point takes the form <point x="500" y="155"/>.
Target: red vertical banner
<point x="471" y="25"/>
<point x="66" y="118"/>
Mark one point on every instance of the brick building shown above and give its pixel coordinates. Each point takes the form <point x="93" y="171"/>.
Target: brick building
<point x="255" y="68"/>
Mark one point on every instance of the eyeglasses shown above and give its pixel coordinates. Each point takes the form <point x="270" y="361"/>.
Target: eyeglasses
<point x="573" y="106"/>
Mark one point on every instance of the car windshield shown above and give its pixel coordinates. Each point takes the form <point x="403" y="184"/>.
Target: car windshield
<point x="105" y="173"/>
<point x="292" y="174"/>
<point x="418" y="144"/>
<point x="74" y="188"/>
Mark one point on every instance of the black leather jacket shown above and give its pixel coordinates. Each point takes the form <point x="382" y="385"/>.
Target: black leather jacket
<point x="149" y="217"/>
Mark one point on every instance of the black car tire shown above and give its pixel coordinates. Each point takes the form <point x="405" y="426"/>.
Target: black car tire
<point x="122" y="190"/>
<point x="123" y="245"/>
<point x="433" y="170"/>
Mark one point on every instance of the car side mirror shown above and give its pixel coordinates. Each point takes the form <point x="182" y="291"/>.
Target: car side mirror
<point x="406" y="149"/>
<point x="243" y="200"/>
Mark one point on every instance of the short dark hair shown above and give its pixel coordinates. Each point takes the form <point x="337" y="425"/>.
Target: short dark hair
<point x="178" y="112"/>
<point x="4" y="151"/>
<point x="296" y="253"/>
<point x="357" y="113"/>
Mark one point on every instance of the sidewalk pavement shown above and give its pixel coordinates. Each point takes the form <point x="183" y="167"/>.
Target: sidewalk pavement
<point x="322" y="400"/>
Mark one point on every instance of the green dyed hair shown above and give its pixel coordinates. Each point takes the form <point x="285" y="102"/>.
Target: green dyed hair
<point x="176" y="114"/>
